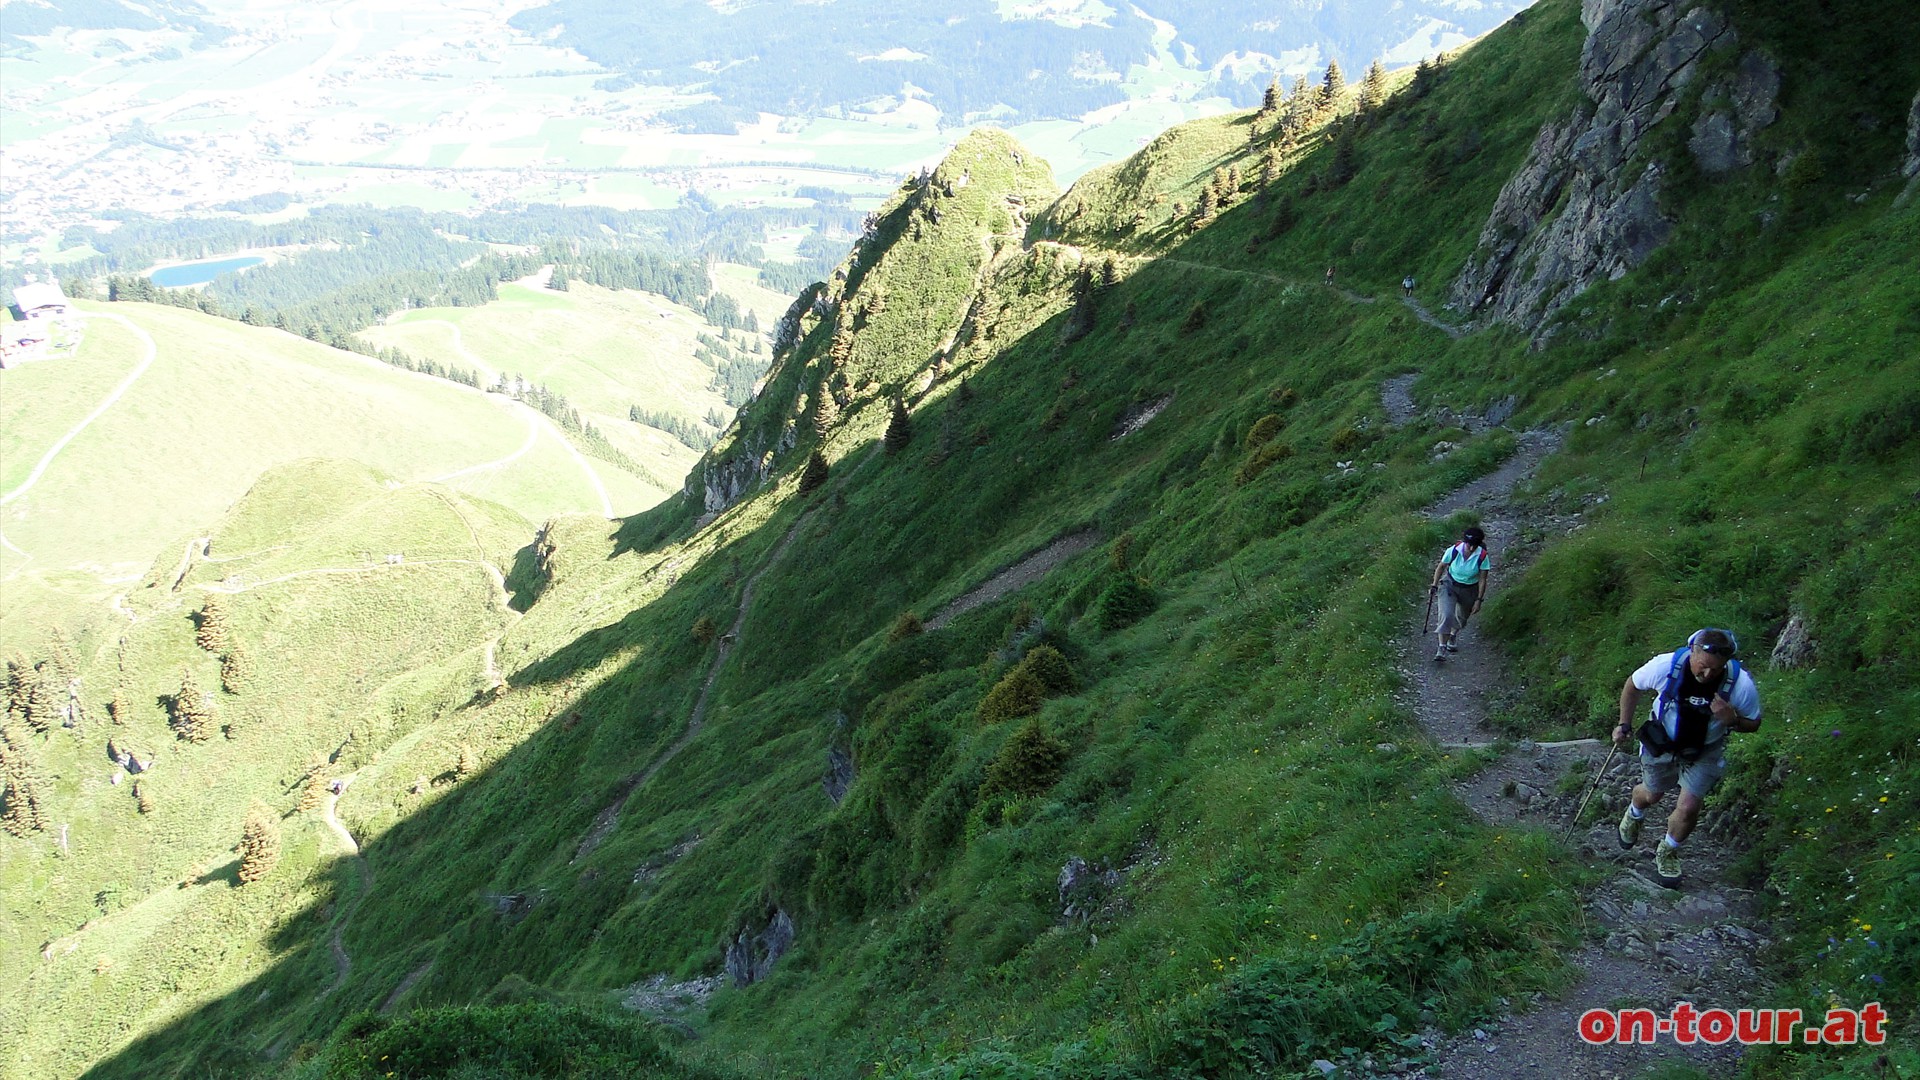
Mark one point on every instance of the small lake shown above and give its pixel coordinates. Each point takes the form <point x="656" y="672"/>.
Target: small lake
<point x="200" y="273"/>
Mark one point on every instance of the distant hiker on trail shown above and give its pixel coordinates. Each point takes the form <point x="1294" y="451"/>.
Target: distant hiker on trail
<point x="1329" y="275"/>
<point x="1465" y="566"/>
<point x="1703" y="693"/>
<point x="1406" y="286"/>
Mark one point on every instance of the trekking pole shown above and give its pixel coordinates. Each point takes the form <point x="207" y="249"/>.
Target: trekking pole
<point x="1597" y="778"/>
<point x="1426" y="621"/>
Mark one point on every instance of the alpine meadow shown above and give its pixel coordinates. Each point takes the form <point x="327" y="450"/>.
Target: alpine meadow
<point x="1029" y="680"/>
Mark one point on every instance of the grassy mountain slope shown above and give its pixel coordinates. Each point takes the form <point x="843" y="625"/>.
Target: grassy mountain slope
<point x="646" y="790"/>
<point x="606" y="351"/>
<point x="347" y="655"/>
<point x="221" y="401"/>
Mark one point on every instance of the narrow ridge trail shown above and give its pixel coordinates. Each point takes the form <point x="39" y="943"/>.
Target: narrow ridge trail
<point x="1646" y="945"/>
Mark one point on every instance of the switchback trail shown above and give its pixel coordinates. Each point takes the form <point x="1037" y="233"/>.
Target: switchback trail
<point x="1646" y="944"/>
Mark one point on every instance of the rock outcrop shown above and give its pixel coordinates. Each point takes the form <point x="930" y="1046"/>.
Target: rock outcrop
<point x="723" y="481"/>
<point x="752" y="953"/>
<point x="1912" y="168"/>
<point x="1638" y="58"/>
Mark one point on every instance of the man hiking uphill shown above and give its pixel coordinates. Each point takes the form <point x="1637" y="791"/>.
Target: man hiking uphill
<point x="1465" y="567"/>
<point x="1703" y="694"/>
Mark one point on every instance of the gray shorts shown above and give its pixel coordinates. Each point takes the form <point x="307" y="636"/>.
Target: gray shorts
<point x="1456" y="604"/>
<point x="1697" y="778"/>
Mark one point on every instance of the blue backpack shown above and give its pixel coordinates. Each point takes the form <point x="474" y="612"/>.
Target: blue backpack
<point x="1653" y="733"/>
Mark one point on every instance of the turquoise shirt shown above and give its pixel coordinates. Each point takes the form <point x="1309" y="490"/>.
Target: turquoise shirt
<point x="1466" y="569"/>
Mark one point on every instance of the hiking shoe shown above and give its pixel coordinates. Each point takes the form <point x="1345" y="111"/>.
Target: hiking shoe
<point x="1451" y="647"/>
<point x="1666" y="864"/>
<point x="1439" y="655"/>
<point x="1630" y="829"/>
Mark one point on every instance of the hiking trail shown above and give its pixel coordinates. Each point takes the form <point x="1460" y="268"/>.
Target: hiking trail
<point x="609" y="818"/>
<point x="343" y="963"/>
<point x="1646" y="944"/>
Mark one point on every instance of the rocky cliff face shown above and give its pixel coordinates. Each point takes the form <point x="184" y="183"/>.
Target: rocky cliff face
<point x="1640" y="55"/>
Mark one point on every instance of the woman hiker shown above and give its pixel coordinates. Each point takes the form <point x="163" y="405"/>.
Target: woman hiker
<point x="1465" y="566"/>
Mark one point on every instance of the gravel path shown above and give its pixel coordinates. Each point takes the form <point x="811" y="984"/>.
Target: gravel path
<point x="1648" y="945"/>
<point x="1020" y="574"/>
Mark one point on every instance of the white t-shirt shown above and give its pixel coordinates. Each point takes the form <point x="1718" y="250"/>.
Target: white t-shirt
<point x="1745" y="699"/>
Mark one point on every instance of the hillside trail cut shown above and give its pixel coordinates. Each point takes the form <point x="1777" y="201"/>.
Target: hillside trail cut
<point x="608" y="818"/>
<point x="342" y="963"/>
<point x="1020" y="574"/>
<point x="1647" y="945"/>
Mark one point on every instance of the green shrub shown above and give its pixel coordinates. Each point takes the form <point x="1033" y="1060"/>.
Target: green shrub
<point x="705" y="630"/>
<point x="1019" y="693"/>
<point x="1029" y="763"/>
<point x="1260" y="461"/>
<point x="1124" y="602"/>
<point x="1347" y="440"/>
<point x="1263" y="430"/>
<point x="905" y="625"/>
<point x="1050" y="666"/>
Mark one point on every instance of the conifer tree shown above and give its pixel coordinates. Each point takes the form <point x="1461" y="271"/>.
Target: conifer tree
<point x="705" y="630"/>
<point x="45" y="699"/>
<point x="1203" y="209"/>
<point x="212" y="634"/>
<point x="19" y="688"/>
<point x="65" y="665"/>
<point x="313" y="794"/>
<point x="1373" y="88"/>
<point x="905" y="625"/>
<point x="1029" y="763"/>
<point x="1333" y="85"/>
<point x="1270" y="101"/>
<point x="143" y="797"/>
<point x="120" y="709"/>
<point x="899" y="428"/>
<point x="21" y="784"/>
<point x="259" y="844"/>
<point x="814" y="475"/>
<point x="236" y="669"/>
<point x="192" y="718"/>
<point x="825" y="413"/>
<point x="467" y="763"/>
<point x="1269" y="166"/>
